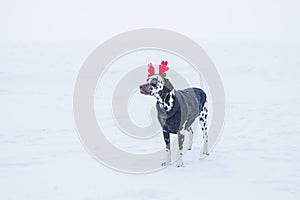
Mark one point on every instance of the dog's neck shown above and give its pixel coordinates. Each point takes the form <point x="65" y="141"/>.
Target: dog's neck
<point x="166" y="97"/>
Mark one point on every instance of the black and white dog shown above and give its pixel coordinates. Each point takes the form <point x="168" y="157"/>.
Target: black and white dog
<point x="176" y="109"/>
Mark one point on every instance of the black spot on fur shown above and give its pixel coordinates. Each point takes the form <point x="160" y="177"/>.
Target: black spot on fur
<point x="167" y="98"/>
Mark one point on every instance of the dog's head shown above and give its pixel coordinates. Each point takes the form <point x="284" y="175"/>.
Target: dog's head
<point x="156" y="84"/>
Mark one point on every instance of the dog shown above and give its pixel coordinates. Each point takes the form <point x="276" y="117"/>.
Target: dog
<point x="176" y="110"/>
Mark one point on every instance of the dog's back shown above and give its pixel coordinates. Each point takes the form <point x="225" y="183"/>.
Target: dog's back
<point x="193" y="99"/>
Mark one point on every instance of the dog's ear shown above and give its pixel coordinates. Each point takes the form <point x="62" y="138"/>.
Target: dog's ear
<point x="164" y="75"/>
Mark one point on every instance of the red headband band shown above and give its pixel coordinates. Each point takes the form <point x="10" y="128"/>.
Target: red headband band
<point x="162" y="68"/>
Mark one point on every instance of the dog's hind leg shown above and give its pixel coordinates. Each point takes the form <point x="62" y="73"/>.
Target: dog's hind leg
<point x="179" y="162"/>
<point x="203" y="124"/>
<point x="191" y="136"/>
<point x="168" y="149"/>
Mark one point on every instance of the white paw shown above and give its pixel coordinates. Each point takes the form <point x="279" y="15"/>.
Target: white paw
<point x="179" y="165"/>
<point x="203" y="155"/>
<point x="204" y="150"/>
<point x="179" y="162"/>
<point x="164" y="164"/>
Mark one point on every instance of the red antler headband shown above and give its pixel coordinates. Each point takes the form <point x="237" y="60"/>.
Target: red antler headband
<point x="151" y="69"/>
<point x="162" y="68"/>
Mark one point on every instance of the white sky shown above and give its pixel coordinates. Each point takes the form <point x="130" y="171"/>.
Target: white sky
<point x="98" y="19"/>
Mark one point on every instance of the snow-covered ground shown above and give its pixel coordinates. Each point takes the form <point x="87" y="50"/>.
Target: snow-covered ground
<point x="257" y="157"/>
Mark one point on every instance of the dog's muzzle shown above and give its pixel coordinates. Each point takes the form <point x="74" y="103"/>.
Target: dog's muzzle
<point x="145" y="89"/>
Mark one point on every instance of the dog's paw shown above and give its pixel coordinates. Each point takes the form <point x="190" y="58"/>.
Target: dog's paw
<point x="204" y="153"/>
<point x="204" y="150"/>
<point x="179" y="164"/>
<point x="164" y="164"/>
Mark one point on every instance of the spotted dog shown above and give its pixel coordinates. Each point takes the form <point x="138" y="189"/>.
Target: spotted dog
<point x="176" y="109"/>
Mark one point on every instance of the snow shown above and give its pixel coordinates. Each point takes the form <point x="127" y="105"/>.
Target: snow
<point x="257" y="157"/>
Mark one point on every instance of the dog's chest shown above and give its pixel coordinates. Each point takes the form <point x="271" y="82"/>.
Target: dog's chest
<point x="166" y="103"/>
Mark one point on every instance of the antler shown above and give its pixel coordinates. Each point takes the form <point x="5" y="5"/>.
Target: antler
<point x="151" y="69"/>
<point x="163" y="67"/>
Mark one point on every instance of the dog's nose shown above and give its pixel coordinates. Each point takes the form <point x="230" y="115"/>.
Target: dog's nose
<point x="141" y="86"/>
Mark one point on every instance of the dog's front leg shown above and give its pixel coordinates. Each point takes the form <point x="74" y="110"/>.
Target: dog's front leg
<point x="180" y="152"/>
<point x="168" y="148"/>
<point x="191" y="138"/>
